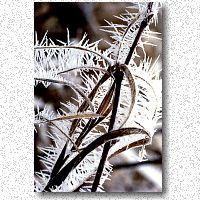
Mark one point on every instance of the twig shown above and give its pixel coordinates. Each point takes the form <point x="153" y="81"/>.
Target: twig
<point x="118" y="80"/>
<point x="143" y="25"/>
<point x="130" y="165"/>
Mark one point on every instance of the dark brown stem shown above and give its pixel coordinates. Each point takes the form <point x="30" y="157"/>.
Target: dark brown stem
<point x="129" y="165"/>
<point x="143" y="25"/>
<point x="118" y="80"/>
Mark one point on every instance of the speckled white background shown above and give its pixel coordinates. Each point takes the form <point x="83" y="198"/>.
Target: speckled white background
<point x="181" y="58"/>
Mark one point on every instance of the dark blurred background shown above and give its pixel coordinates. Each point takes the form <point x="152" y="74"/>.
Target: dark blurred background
<point x="78" y="17"/>
<point x="82" y="18"/>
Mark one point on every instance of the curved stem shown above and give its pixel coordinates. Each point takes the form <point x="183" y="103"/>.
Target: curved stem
<point x="132" y="86"/>
<point x="129" y="165"/>
<point x="85" y="68"/>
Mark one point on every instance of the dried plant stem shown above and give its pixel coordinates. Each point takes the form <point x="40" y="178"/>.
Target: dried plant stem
<point x="143" y="25"/>
<point x="79" y="116"/>
<point x="137" y="143"/>
<point x="118" y="80"/>
<point x="130" y="165"/>
<point x="85" y="68"/>
<point x="131" y="82"/>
